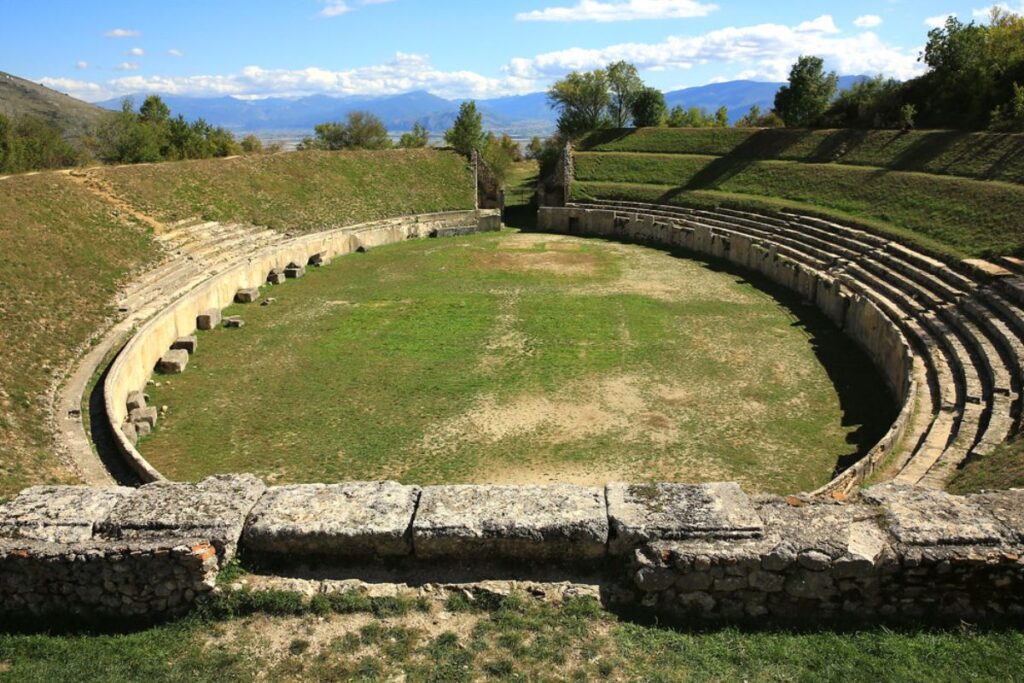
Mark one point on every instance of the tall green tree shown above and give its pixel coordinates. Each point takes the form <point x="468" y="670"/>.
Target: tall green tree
<point x="360" y="130"/>
<point x="417" y="138"/>
<point x="808" y="94"/>
<point x="582" y="100"/>
<point x="648" y="108"/>
<point x="722" y="117"/>
<point x="625" y="86"/>
<point x="467" y="132"/>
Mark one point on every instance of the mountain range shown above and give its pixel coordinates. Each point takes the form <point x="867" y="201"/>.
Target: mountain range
<point x="520" y="115"/>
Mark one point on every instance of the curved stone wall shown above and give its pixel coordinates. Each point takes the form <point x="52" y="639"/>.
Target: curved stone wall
<point x="136" y="362"/>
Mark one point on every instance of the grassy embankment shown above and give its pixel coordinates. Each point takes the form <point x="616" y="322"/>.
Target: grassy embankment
<point x="901" y="184"/>
<point x="521" y="358"/>
<point x="510" y="638"/>
<point x="69" y="248"/>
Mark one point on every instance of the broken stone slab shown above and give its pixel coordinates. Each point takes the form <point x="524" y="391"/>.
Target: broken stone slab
<point x="918" y="516"/>
<point x="247" y="295"/>
<point x="233" y="322"/>
<point x="269" y="301"/>
<point x="641" y="513"/>
<point x="173" y="362"/>
<point x="189" y="344"/>
<point x="58" y="514"/>
<point x="146" y="416"/>
<point x="214" y="509"/>
<point x="351" y="520"/>
<point x="276" y="276"/>
<point x="294" y="272"/>
<point x="208" y="320"/>
<point x="1006" y="506"/>
<point x="130" y="433"/>
<point x="555" y="522"/>
<point x="143" y="428"/>
<point x="136" y="400"/>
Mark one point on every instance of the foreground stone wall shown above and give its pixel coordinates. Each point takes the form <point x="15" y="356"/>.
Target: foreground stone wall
<point x="679" y="550"/>
<point x="136" y="362"/>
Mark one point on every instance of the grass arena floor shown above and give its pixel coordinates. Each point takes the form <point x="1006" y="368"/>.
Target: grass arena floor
<point x="522" y="358"/>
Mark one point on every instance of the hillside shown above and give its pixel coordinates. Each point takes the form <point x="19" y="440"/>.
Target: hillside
<point x="896" y="183"/>
<point x="20" y="98"/>
<point x="75" y="245"/>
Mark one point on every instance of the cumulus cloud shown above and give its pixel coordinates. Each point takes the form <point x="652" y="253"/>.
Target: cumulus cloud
<point x="939" y="20"/>
<point x="335" y="8"/>
<point x="127" y="66"/>
<point x="763" y="51"/>
<point x="983" y="13"/>
<point x="136" y="52"/>
<point x="81" y="64"/>
<point x="630" y="10"/>
<point x="175" y="52"/>
<point x="868" y="21"/>
<point x="122" y="33"/>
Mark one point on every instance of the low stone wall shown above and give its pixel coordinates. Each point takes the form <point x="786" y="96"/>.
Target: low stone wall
<point x="136" y="362"/>
<point x="675" y="549"/>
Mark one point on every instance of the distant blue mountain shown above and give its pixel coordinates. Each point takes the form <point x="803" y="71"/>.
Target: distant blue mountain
<point x="516" y="114"/>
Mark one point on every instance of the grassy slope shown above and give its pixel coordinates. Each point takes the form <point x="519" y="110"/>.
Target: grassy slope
<point x="512" y="638"/>
<point x="301" y="191"/>
<point x="20" y="98"/>
<point x="1002" y="469"/>
<point x="489" y="326"/>
<point x="66" y="254"/>
<point x="985" y="156"/>
<point x="966" y="216"/>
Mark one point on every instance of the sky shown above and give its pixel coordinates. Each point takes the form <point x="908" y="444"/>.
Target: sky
<point x="100" y="49"/>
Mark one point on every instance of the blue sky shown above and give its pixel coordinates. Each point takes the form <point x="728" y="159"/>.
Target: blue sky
<point x="97" y="49"/>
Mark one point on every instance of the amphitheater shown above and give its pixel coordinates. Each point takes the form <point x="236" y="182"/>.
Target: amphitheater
<point x="881" y="538"/>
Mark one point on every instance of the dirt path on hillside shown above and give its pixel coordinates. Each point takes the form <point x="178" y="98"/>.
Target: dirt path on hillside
<point x="105" y="193"/>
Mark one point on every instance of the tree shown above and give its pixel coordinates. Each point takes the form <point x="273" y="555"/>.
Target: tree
<point x="677" y="117"/>
<point x="252" y="144"/>
<point x="535" y="148"/>
<point x="648" y="108"/>
<point x="499" y="154"/>
<point x="124" y="139"/>
<point x="582" y="100"/>
<point x="808" y="94"/>
<point x="755" y="119"/>
<point x="722" y="117"/>
<point x="361" y="130"/>
<point x="625" y="85"/>
<point x="872" y="102"/>
<point x="419" y="137"/>
<point x="467" y="132"/>
<point x="154" y="110"/>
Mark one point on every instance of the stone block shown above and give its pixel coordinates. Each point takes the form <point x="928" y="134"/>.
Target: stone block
<point x="294" y="272"/>
<point x="214" y="509"/>
<point x="1007" y="507"/>
<point x="173" y="362"/>
<point x="136" y="400"/>
<point x="130" y="433"/>
<point x="276" y="276"/>
<point x="919" y="516"/>
<point x="143" y="428"/>
<point x="555" y="523"/>
<point x="189" y="344"/>
<point x="208" y="320"/>
<point x="58" y="514"/>
<point x="146" y="416"/>
<point x="351" y="520"/>
<point x="233" y="322"/>
<point x="641" y="513"/>
<point x="247" y="296"/>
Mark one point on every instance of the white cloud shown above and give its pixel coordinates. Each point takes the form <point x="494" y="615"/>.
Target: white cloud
<point x="765" y="51"/>
<point x="868" y="21"/>
<point x="81" y="64"/>
<point x="136" y="52"/>
<point x="175" y="52"/>
<point x="629" y="10"/>
<point x="335" y="8"/>
<point x="939" y="20"/>
<point x="984" y="13"/>
<point x="122" y="33"/>
<point x="127" y="66"/>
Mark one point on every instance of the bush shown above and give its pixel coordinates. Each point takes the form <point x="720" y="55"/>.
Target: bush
<point x="361" y="130"/>
<point x="30" y="144"/>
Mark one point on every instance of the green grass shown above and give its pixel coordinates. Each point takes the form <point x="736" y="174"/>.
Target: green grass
<point x="300" y="191"/>
<point x="67" y="253"/>
<point x="521" y="358"/>
<point x="508" y="638"/>
<point x="1002" y="469"/>
<point x="983" y="156"/>
<point x="963" y="217"/>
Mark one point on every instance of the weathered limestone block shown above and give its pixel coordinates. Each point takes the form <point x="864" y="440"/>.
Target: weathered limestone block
<point x="58" y="514"/>
<point x="215" y="509"/>
<point x="144" y="416"/>
<point x="189" y="344"/>
<point x="208" y="320"/>
<point x="173" y="362"/>
<point x="640" y="513"/>
<point x="130" y="433"/>
<point x="924" y="517"/>
<point x="135" y="401"/>
<point x="143" y="428"/>
<point x="276" y="276"/>
<point x="233" y="322"/>
<point x="247" y="296"/>
<point x="555" y="522"/>
<point x="351" y="520"/>
<point x="1006" y="506"/>
<point x="294" y="272"/>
